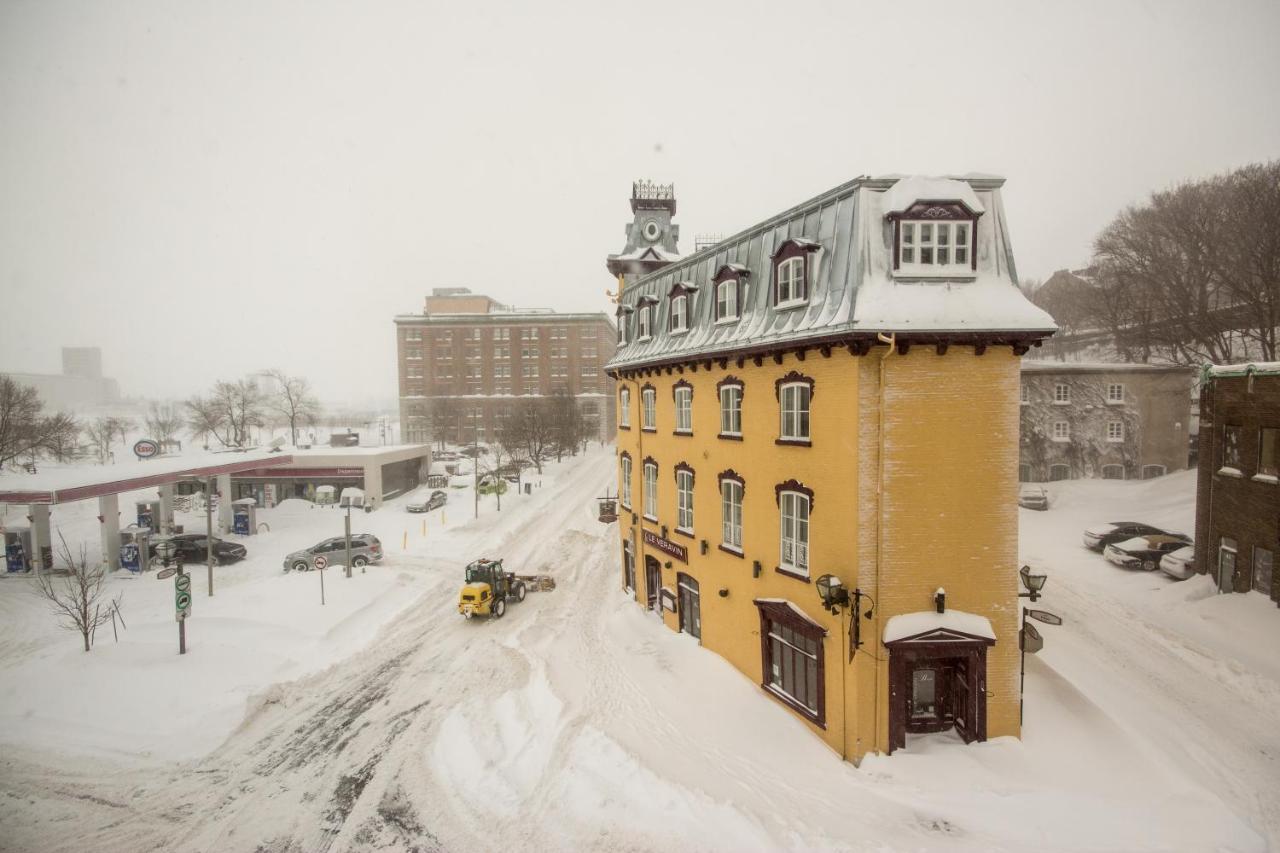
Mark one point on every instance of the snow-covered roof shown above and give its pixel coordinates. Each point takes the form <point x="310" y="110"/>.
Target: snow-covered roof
<point x="926" y="621"/>
<point x="647" y="253"/>
<point x="1255" y="368"/>
<point x="1050" y="366"/>
<point x="852" y="289"/>
<point x="795" y="608"/>
<point x="918" y="188"/>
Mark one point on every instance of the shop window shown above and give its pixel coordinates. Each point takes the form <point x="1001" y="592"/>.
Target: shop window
<point x="791" y="648"/>
<point x="1262" y="565"/>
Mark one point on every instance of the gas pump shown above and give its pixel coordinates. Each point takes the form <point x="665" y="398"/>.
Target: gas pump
<point x="149" y="514"/>
<point x="135" y="547"/>
<point x="244" y="516"/>
<point x="17" y="549"/>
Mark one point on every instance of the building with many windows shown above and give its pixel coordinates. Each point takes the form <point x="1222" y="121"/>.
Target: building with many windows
<point x="1115" y="421"/>
<point x="833" y="393"/>
<point x="1238" y="487"/>
<point x="465" y="361"/>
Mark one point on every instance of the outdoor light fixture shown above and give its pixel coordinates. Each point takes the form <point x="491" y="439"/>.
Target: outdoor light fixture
<point x="704" y="547"/>
<point x="755" y="569"/>
<point x="724" y="592"/>
<point x="1033" y="583"/>
<point x="664" y="531"/>
<point x="834" y="594"/>
<point x="940" y="600"/>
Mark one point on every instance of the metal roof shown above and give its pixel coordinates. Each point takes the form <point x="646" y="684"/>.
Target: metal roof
<point x="852" y="287"/>
<point x="60" y="485"/>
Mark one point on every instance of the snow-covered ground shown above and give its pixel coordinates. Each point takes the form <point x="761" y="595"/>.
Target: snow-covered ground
<point x="579" y="722"/>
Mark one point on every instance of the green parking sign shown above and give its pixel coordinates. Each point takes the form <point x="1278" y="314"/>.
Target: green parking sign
<point x="182" y="596"/>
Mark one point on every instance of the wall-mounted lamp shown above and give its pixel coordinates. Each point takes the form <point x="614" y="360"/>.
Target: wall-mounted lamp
<point x="1033" y="583"/>
<point x="634" y="518"/>
<point x="755" y="569"/>
<point x="834" y="595"/>
<point x="704" y="547"/>
<point x="664" y="531"/>
<point x="724" y="592"/>
<point x="940" y="600"/>
<point x="667" y="564"/>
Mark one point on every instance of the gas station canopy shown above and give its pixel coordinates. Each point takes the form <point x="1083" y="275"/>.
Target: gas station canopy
<point x="60" y="485"/>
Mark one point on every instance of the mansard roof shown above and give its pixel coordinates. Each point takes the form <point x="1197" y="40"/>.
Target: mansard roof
<point x="853" y="291"/>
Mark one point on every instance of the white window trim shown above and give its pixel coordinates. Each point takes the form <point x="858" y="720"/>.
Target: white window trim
<point x="683" y="314"/>
<point x="1067" y="432"/>
<point x="624" y="496"/>
<point x="952" y="269"/>
<point x="782" y="412"/>
<point x="681" y="493"/>
<point x="791" y="567"/>
<point x="1065" y="401"/>
<point x="1113" y="439"/>
<point x="725" y="504"/>
<point x="624" y="407"/>
<point x="1112" y="401"/>
<point x="792" y="302"/>
<point x="644" y="323"/>
<point x="1024" y="396"/>
<point x="732" y="285"/>
<point x="684" y="392"/>
<point x="649" y="406"/>
<point x="650" y="492"/>
<point x="735" y="433"/>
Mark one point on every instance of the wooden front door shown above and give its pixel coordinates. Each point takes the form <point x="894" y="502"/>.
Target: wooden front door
<point x="690" y="605"/>
<point x="652" y="581"/>
<point x="937" y="681"/>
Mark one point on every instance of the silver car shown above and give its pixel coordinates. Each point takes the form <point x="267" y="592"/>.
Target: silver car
<point x="365" y="549"/>
<point x="1179" y="564"/>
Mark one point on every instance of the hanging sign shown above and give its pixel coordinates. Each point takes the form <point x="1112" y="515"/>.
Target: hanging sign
<point x="1045" y="616"/>
<point x="680" y="552"/>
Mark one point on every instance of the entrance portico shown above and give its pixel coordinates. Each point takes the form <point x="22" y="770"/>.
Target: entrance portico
<point x="937" y="674"/>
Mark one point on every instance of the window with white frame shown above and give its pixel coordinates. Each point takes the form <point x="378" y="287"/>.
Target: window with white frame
<point x="589" y="352"/>
<point x="1115" y="430"/>
<point x="502" y="334"/>
<point x="684" y="499"/>
<point x="684" y="408"/>
<point x="502" y="371"/>
<point x="792" y="288"/>
<point x="651" y="491"/>
<point x="413" y="334"/>
<point x="528" y="334"/>
<point x="934" y="246"/>
<point x="624" y="408"/>
<point x="731" y="514"/>
<point x="559" y="333"/>
<point x="587" y="333"/>
<point x="559" y="352"/>
<point x="528" y="352"/>
<point x="731" y="410"/>
<point x="1061" y="431"/>
<point x="416" y="372"/>
<point x="644" y="323"/>
<point x="622" y="329"/>
<point x="529" y="371"/>
<point x="649" y="409"/>
<point x="1115" y="393"/>
<point x="794" y="554"/>
<point x="680" y="313"/>
<point x="1024" y="395"/>
<point x="727" y="300"/>
<point x="443" y="371"/>
<point x="444" y="354"/>
<point x="559" y="371"/>
<point x="795" y="399"/>
<point x="588" y="371"/>
<point x="413" y="353"/>
<point x="501" y="353"/>
<point x="1061" y="394"/>
<point x="625" y="496"/>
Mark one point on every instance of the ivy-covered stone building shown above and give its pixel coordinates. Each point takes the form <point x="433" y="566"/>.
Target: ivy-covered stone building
<point x="1115" y="421"/>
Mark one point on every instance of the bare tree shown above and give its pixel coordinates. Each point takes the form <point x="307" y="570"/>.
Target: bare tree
<point x="293" y="400"/>
<point x="78" y="596"/>
<point x="567" y="424"/>
<point x="163" y="422"/>
<point x="530" y="430"/>
<point x="101" y="433"/>
<point x="204" y="419"/>
<point x="25" y="430"/>
<point x="229" y="414"/>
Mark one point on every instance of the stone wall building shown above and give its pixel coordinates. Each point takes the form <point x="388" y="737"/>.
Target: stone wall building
<point x="1238" y="488"/>
<point x="1115" y="421"/>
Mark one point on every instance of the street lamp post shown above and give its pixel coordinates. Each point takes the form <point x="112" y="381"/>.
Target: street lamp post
<point x="1033" y="584"/>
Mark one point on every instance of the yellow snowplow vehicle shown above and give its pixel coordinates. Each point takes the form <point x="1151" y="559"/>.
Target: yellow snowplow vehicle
<point x="488" y="588"/>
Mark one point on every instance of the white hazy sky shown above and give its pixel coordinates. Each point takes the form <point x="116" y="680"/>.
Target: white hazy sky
<point x="208" y="189"/>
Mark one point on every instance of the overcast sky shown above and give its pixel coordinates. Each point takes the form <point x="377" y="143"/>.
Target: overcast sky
<point x="204" y="190"/>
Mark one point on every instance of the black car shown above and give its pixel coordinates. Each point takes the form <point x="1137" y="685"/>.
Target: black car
<point x="1099" y="536"/>
<point x="194" y="548"/>
<point x="437" y="500"/>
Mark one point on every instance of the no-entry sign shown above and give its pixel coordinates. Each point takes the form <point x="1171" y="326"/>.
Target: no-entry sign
<point x="321" y="562"/>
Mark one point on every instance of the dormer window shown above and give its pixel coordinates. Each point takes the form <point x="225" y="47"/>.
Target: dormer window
<point x="680" y="313"/>
<point x="935" y="245"/>
<point x="727" y="283"/>
<point x="623" y="319"/>
<point x="644" y="322"/>
<point x="791" y="272"/>
<point x="934" y="237"/>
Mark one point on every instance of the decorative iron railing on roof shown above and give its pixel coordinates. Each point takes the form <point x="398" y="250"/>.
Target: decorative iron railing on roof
<point x="650" y="191"/>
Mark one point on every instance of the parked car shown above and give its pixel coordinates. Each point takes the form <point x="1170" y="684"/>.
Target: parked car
<point x="1179" y="564"/>
<point x="1144" y="552"/>
<point x="436" y="500"/>
<point x="365" y="548"/>
<point x="1099" y="536"/>
<point x="194" y="548"/>
<point x="1033" y="497"/>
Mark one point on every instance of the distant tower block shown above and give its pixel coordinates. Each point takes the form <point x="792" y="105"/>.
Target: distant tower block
<point x="651" y="236"/>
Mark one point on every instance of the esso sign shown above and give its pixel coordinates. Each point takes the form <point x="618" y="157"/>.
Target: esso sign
<point x="145" y="448"/>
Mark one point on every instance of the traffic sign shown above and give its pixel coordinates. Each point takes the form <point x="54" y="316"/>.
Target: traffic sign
<point x="321" y="562"/>
<point x="182" y="583"/>
<point x="1045" y="616"/>
<point x="165" y="573"/>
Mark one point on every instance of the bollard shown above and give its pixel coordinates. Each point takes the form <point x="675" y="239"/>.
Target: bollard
<point x="424" y="527"/>
<point x="404" y="543"/>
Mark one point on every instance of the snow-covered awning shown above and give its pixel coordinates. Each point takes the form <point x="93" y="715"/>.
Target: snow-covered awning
<point x="791" y="605"/>
<point x="907" y="191"/>
<point x="931" y="626"/>
<point x="1257" y="368"/>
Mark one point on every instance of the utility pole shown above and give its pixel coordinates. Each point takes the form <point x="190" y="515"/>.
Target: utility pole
<point x="475" y="463"/>
<point x="348" y="539"/>
<point x="208" y="524"/>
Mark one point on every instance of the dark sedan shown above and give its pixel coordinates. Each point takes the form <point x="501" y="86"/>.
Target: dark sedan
<point x="194" y="548"/>
<point x="1099" y="536"/>
<point x="1144" y="552"/>
<point x="437" y="500"/>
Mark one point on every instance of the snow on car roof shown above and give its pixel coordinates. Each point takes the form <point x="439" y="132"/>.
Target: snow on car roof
<point x="1103" y="529"/>
<point x="1137" y="543"/>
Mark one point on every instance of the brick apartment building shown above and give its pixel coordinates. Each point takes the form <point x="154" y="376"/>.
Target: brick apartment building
<point x="1238" y="488"/>
<point x="466" y="359"/>
<point x="1115" y="421"/>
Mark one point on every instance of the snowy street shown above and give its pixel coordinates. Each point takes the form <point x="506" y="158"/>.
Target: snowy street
<point x="579" y="722"/>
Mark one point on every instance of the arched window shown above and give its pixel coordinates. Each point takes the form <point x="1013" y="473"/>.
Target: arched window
<point x="624" y="477"/>
<point x="1059" y="471"/>
<point x="795" y="394"/>
<point x="1113" y="472"/>
<point x="684" y="499"/>
<point x="795" y="503"/>
<point x="682" y="391"/>
<point x="650" y="489"/>
<point x="624" y="408"/>
<point x="649" y="408"/>
<point x="1151" y="471"/>
<point x="792" y="273"/>
<point x="732" y="489"/>
<point x="728" y="290"/>
<point x="730" y="390"/>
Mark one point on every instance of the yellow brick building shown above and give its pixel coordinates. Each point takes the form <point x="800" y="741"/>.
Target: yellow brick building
<point x="834" y="393"/>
